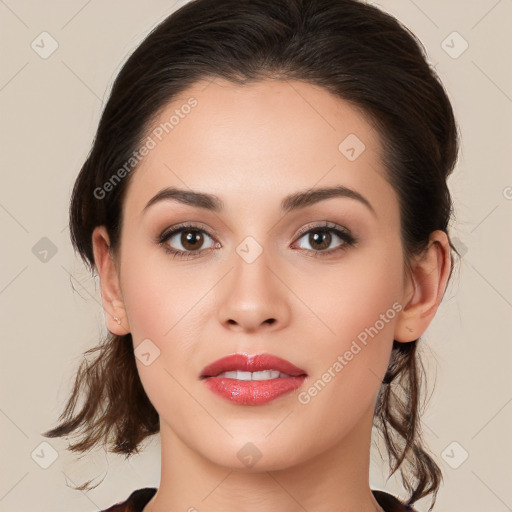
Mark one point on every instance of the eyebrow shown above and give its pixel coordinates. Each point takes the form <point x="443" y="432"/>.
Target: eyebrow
<point x="290" y="203"/>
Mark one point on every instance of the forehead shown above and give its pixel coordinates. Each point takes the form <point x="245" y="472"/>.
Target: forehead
<point x="259" y="141"/>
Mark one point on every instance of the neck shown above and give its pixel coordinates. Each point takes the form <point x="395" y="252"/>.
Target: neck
<point x="333" y="479"/>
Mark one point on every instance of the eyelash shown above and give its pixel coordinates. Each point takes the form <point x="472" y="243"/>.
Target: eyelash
<point x="327" y="227"/>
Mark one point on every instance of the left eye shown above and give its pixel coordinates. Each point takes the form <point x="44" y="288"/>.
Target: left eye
<point x="321" y="238"/>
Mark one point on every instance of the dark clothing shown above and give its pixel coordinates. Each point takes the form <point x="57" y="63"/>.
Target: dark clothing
<point x="140" y="498"/>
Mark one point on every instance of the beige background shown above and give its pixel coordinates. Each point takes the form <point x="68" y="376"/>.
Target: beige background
<point x="51" y="311"/>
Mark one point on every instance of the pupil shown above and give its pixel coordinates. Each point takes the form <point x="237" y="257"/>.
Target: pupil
<point x="323" y="237"/>
<point x="192" y="238"/>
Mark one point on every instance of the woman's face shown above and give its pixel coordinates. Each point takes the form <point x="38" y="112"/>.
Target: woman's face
<point x="266" y="275"/>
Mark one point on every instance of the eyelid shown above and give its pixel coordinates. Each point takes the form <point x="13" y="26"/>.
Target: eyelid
<point x="187" y="224"/>
<point x="327" y="225"/>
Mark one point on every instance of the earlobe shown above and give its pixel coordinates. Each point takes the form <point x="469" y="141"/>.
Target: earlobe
<point x="112" y="299"/>
<point x="424" y="288"/>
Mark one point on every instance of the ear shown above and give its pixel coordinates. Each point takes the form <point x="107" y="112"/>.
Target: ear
<point x="111" y="295"/>
<point x="424" y="288"/>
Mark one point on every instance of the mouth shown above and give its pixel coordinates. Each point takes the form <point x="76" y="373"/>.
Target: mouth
<point x="252" y="380"/>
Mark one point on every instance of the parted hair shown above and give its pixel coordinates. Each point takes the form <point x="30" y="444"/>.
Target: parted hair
<point x="353" y="50"/>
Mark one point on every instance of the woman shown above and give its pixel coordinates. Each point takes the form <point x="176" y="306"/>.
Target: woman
<point x="266" y="206"/>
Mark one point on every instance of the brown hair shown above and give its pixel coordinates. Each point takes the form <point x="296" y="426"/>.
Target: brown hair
<point x="353" y="50"/>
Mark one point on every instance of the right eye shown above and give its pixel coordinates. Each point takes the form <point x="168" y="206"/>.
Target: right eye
<point x="191" y="239"/>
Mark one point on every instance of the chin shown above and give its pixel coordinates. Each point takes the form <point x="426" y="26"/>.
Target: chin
<point x="254" y="455"/>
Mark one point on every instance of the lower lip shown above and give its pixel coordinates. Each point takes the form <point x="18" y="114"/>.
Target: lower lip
<point x="252" y="392"/>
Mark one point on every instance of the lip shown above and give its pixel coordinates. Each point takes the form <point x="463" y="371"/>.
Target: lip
<point x="252" y="392"/>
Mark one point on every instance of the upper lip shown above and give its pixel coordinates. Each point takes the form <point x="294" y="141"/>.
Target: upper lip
<point x="248" y="363"/>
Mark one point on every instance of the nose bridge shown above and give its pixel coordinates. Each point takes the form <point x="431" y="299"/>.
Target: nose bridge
<point x="253" y="295"/>
<point x="252" y="277"/>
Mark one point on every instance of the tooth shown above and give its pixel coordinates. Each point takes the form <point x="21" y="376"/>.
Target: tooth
<point x="265" y="375"/>
<point x="260" y="375"/>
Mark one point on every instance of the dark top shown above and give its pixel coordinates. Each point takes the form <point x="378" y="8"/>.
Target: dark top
<point x="140" y="498"/>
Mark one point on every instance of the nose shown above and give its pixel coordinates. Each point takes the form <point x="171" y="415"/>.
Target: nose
<point x="253" y="296"/>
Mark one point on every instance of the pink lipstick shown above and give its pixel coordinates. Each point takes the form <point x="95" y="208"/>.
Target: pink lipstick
<point x="252" y="380"/>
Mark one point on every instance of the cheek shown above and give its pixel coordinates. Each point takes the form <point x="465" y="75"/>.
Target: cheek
<point x="157" y="293"/>
<point x="358" y="306"/>
<point x="351" y="297"/>
<point x="164" y="305"/>
<point x="163" y="313"/>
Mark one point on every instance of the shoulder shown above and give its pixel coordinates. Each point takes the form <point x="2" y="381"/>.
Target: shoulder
<point x="135" y="502"/>
<point x="389" y="503"/>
